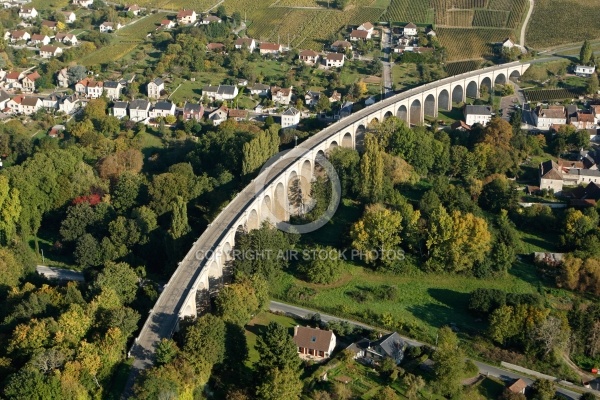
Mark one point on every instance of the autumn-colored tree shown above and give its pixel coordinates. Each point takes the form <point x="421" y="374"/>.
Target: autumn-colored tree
<point x="113" y="165"/>
<point x="236" y="303"/>
<point x="377" y="234"/>
<point x="372" y="169"/>
<point x="10" y="210"/>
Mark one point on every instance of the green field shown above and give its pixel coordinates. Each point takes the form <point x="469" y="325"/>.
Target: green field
<point x="580" y="16"/>
<point x="472" y="43"/>
<point x="254" y="327"/>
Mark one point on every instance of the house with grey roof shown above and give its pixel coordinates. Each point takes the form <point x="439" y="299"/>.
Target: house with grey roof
<point x="112" y="89"/>
<point x="477" y="114"/>
<point x="139" y="110"/>
<point x="220" y="93"/>
<point x="290" y="118"/>
<point x="162" y="109"/>
<point x="391" y="346"/>
<point x="120" y="109"/>
<point x="192" y="111"/>
<point x="260" y="90"/>
<point x="155" y="88"/>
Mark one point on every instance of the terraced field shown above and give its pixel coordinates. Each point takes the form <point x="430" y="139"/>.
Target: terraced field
<point x="491" y="18"/>
<point x="578" y="17"/>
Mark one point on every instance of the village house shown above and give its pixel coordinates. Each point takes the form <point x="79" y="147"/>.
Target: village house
<point x="112" y="89"/>
<point x="518" y="386"/>
<point x="210" y="19"/>
<point x="162" y="109"/>
<point x="335" y="97"/>
<point x="69" y="104"/>
<point x="13" y="80"/>
<point x="270" y="48"/>
<point x="367" y="26"/>
<point x="56" y="131"/>
<point x="186" y="17"/>
<point x="477" y="114"/>
<point x="460" y="126"/>
<point x="345" y="109"/>
<point x="14" y="105"/>
<point x="49" y="24"/>
<point x="553" y="176"/>
<point x="335" y="60"/>
<point x="15" y="36"/>
<point x="120" y="109"/>
<point x="67" y="38"/>
<point x="290" y="118"/>
<point x="359" y="35"/>
<point x="507" y="43"/>
<point x="40" y="39"/>
<point x="134" y="9"/>
<point x="410" y="29"/>
<point x="281" y="95"/>
<point x="4" y="98"/>
<point x="237" y="115"/>
<point x="155" y="88"/>
<point x="62" y="78"/>
<point x="50" y="102"/>
<point x="248" y="43"/>
<point x="89" y="87"/>
<point x="29" y="81"/>
<point x="544" y="118"/>
<point x="193" y="111"/>
<point x="28" y="13"/>
<point x="311" y="98"/>
<point x="139" y="110"/>
<point x="388" y="346"/>
<point x="314" y="343"/>
<point x="26" y="104"/>
<point x="585" y="70"/>
<point x="309" y="56"/>
<point x="221" y="92"/>
<point x="341" y="45"/>
<point x="50" y="51"/>
<point x="216" y="47"/>
<point x="83" y="3"/>
<point x="167" y="24"/>
<point x="260" y="90"/>
<point x="584" y="121"/>
<point x="218" y="116"/>
<point x="110" y="26"/>
<point x="70" y="16"/>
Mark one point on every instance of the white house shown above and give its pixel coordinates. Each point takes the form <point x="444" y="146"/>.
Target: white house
<point x="50" y="51"/>
<point x="509" y="44"/>
<point x="14" y="104"/>
<point x="68" y="104"/>
<point x="210" y="19"/>
<point x="13" y="80"/>
<point x="546" y="117"/>
<point x="313" y="343"/>
<point x="356" y="35"/>
<point x="112" y="89"/>
<point x="28" y="13"/>
<point x="260" y="90"/>
<point x="110" y="26"/>
<point x="67" y="38"/>
<point x="270" y="48"/>
<point x="221" y="92"/>
<point x="40" y="39"/>
<point x="341" y="45"/>
<point x="70" y="16"/>
<point x="167" y="24"/>
<point x="249" y="43"/>
<point x="30" y="104"/>
<point x="4" y="98"/>
<point x="290" y="118"/>
<point x="155" y="87"/>
<point x="585" y="70"/>
<point x="83" y="3"/>
<point x="186" y="17"/>
<point x="29" y="81"/>
<point x="50" y="102"/>
<point x="62" y="78"/>
<point x="90" y="88"/>
<point x="218" y="116"/>
<point x="410" y="29"/>
<point x="334" y="60"/>
<point x="162" y="109"/>
<point x="281" y="95"/>
<point x="311" y="98"/>
<point x="15" y="36"/>
<point x="134" y="9"/>
<point x="139" y="110"/>
<point x="367" y="26"/>
<point x="120" y="109"/>
<point x="478" y="114"/>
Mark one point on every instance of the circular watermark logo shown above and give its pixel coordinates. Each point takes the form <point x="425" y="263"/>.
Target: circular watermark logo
<point x="295" y="198"/>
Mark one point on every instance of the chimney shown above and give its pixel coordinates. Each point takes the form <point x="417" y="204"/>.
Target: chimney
<point x="296" y="330"/>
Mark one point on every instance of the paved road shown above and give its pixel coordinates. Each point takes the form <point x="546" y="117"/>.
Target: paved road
<point x="526" y="22"/>
<point x="386" y="48"/>
<point x="163" y="318"/>
<point x="485" y="369"/>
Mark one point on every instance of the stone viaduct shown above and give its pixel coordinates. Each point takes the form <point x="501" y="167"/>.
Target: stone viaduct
<point x="200" y="273"/>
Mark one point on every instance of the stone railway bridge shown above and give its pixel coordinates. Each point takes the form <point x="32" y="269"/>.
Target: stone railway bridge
<point x="201" y="271"/>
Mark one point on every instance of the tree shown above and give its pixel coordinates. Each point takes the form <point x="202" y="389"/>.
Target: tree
<point x="237" y="303"/>
<point x="10" y="269"/>
<point x="87" y="251"/>
<point x="179" y="220"/>
<point x="166" y="351"/>
<point x="280" y="384"/>
<point x="377" y="234"/>
<point x="221" y="11"/>
<point x="413" y="383"/>
<point x="324" y="266"/>
<point x="498" y="194"/>
<point x="10" y="211"/>
<point x="449" y="362"/>
<point x="323" y="104"/>
<point x="552" y="334"/>
<point x="76" y="73"/>
<point x="503" y="324"/>
<point x="592" y="85"/>
<point x="585" y="54"/>
<point x="204" y="341"/>
<point x="543" y="389"/>
<point x="277" y="350"/>
<point x="372" y="169"/>
<point x="121" y="278"/>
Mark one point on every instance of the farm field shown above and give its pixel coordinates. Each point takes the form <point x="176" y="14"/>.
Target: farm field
<point x="198" y="5"/>
<point x="418" y="12"/>
<point x="549" y="94"/>
<point x="580" y="16"/>
<point x="466" y="44"/>
<point x="461" y="67"/>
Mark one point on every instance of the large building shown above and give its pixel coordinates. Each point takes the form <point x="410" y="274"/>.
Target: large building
<point x="478" y="115"/>
<point x="555" y="175"/>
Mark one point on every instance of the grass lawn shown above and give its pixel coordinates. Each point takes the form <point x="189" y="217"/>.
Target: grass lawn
<point x="490" y="388"/>
<point x="193" y="90"/>
<point x="405" y="76"/>
<point x="254" y="327"/>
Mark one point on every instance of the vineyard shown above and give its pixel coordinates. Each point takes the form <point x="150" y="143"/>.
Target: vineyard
<point x="579" y="17"/>
<point x="409" y="10"/>
<point x="491" y="18"/>
<point x="462" y="18"/>
<point x="460" y="67"/>
<point x="549" y="94"/>
<point x="465" y="44"/>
